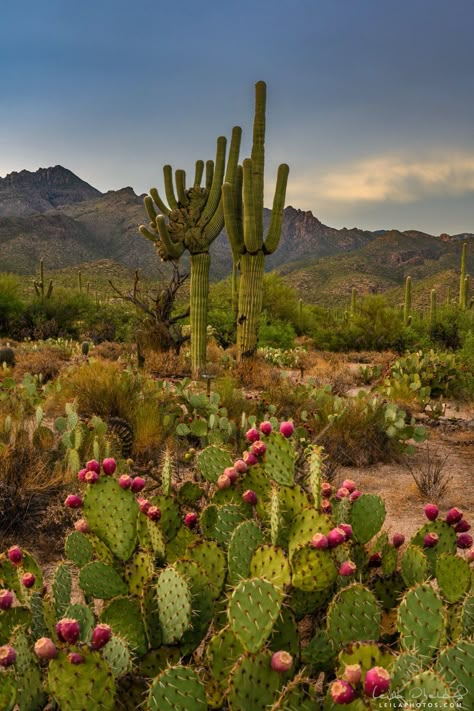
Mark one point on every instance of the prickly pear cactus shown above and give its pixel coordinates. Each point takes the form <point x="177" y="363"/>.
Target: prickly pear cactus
<point x="78" y="549"/>
<point x="279" y="459"/>
<point x="453" y="576"/>
<point x="253" y="684"/>
<point x="212" y="461"/>
<point x="253" y="610"/>
<point x="367" y="517"/>
<point x="245" y="539"/>
<point x="72" y="684"/>
<point x="111" y="513"/>
<point x="173" y="595"/>
<point x="414" y="566"/>
<point x="353" y="616"/>
<point x="177" y="689"/>
<point x="101" y="581"/>
<point x="421" y="620"/>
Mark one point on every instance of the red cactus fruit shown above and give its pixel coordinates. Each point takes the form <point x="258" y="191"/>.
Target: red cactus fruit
<point x="73" y="501"/>
<point x="101" y="635"/>
<point x="109" y="465"/>
<point x="347" y="568"/>
<point x="377" y="682"/>
<point x="281" y="662"/>
<point x="240" y="466"/>
<point x="68" y="630"/>
<point x="154" y="513"/>
<point x="91" y="477"/>
<point x="464" y="540"/>
<point x="75" y="658"/>
<point x="15" y="555"/>
<point x="336" y="537"/>
<point x="250" y="497"/>
<point x="430" y="540"/>
<point x="349" y="485"/>
<point x="375" y="560"/>
<point x="352" y="673"/>
<point x="82" y="526"/>
<point x="347" y="528"/>
<point x="266" y="427"/>
<point x="45" y="648"/>
<point x="125" y="481"/>
<point x="93" y="466"/>
<point x="431" y="512"/>
<point x="342" y="692"/>
<point x="355" y="495"/>
<point x="28" y="580"/>
<point x="138" y="484"/>
<point x="258" y="448"/>
<point x="252" y="435"/>
<point x="249" y="458"/>
<point x="326" y="506"/>
<point x="81" y="474"/>
<point x="7" y="655"/>
<point x="287" y="429"/>
<point x="6" y="599"/>
<point x="319" y="540"/>
<point x="232" y="473"/>
<point x="143" y="505"/>
<point x="398" y="539"/>
<point x="463" y="526"/>
<point x="190" y="520"/>
<point x="326" y="489"/>
<point x="223" y="482"/>
<point x="342" y="493"/>
<point x="454" y="515"/>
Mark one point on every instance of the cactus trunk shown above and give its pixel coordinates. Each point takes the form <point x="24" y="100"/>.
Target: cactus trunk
<point x="250" y="302"/>
<point x="462" y="286"/>
<point x="198" y="314"/>
<point x="407" y="304"/>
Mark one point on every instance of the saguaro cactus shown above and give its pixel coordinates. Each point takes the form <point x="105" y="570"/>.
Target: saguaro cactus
<point x="191" y="221"/>
<point x="462" y="278"/>
<point x="243" y="211"/>
<point x="407" y="303"/>
<point x="40" y="288"/>
<point x="433" y="307"/>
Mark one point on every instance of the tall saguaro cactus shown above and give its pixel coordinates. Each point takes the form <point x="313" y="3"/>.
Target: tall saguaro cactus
<point x="191" y="221"/>
<point x="243" y="211"/>
<point x="407" y="303"/>
<point x="462" y="278"/>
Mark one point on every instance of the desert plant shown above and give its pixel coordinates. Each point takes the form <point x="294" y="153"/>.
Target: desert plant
<point x="430" y="473"/>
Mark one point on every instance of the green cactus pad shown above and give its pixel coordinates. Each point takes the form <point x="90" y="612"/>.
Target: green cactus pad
<point x="12" y="618"/>
<point x="7" y="691"/>
<point x="245" y="539"/>
<point x="253" y="610"/>
<point x="101" y="581"/>
<point x="124" y="616"/>
<point x="132" y="690"/>
<point x="367" y="517"/>
<point x="279" y="459"/>
<point x="150" y="616"/>
<point x="10" y="580"/>
<point x="138" y="571"/>
<point x="257" y="480"/>
<point x="446" y="541"/>
<point x="276" y="518"/>
<point x="209" y="556"/>
<point x="61" y="589"/>
<point x="89" y="685"/>
<point x="212" y="461"/>
<point x="117" y="655"/>
<point x="389" y="561"/>
<point x="428" y="687"/>
<point x="29" y="683"/>
<point x="271" y="563"/>
<point x="173" y="595"/>
<point x="467" y="616"/>
<point x="297" y="696"/>
<point x="38" y="607"/>
<point x="308" y="603"/>
<point x="414" y="566"/>
<point x="285" y="634"/>
<point x="189" y="493"/>
<point x="319" y="652"/>
<point x="177" y="689"/>
<point x="421" y="620"/>
<point x="101" y="551"/>
<point x="150" y="536"/>
<point x="176" y="548"/>
<point x="341" y="510"/>
<point x="388" y="590"/>
<point x="367" y="655"/>
<point x="84" y="616"/>
<point x="313" y="569"/>
<point x="78" y="549"/>
<point x="304" y="526"/>
<point x="202" y="603"/>
<point x="222" y="652"/>
<point x="455" y="665"/>
<point x="170" y="521"/>
<point x="353" y="616"/>
<point x="453" y="575"/>
<point x="253" y="684"/>
<point x="228" y="518"/>
<point x="156" y="660"/>
<point x="356" y="705"/>
<point x="208" y="520"/>
<point x="405" y="666"/>
<point x="111" y="513"/>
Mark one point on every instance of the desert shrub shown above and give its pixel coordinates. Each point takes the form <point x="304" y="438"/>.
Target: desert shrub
<point x="109" y="350"/>
<point x="47" y="362"/>
<point x="430" y="474"/>
<point x="11" y="304"/>
<point x="275" y="333"/>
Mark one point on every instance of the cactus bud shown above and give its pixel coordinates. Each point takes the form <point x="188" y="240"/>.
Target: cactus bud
<point x="281" y="662"/>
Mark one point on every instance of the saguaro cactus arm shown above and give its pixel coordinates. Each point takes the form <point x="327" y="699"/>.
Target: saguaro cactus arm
<point x="274" y="231"/>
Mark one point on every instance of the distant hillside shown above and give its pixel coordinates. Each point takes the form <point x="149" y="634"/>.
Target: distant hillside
<point x="54" y="215"/>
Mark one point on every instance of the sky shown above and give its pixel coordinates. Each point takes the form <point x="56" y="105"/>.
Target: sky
<point x="370" y="102"/>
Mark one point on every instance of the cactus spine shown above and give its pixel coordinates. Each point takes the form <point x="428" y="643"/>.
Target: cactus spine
<point x="191" y="221"/>
<point x="407" y="304"/>
<point x="462" y="278"/>
<point x="243" y="210"/>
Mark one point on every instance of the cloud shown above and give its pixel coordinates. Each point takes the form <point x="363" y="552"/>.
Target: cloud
<point x="389" y="178"/>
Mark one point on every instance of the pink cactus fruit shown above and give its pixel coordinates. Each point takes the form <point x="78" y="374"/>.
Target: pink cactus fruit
<point x="7" y="656"/>
<point x="143" y="505"/>
<point x="319" y="540"/>
<point x="347" y="528"/>
<point x="45" y="648"/>
<point x="82" y="526"/>
<point x="223" y="482"/>
<point x="68" y="630"/>
<point x="335" y="537"/>
<point x="240" y="466"/>
<point x="28" y="580"/>
<point x="249" y="458"/>
<point x="352" y="674"/>
<point x="252" y="435"/>
<point x="109" y="465"/>
<point x="431" y="512"/>
<point x="464" y="540"/>
<point x="75" y="658"/>
<point x="430" y="540"/>
<point x="125" y="481"/>
<point x="15" y="555"/>
<point x="93" y="466"/>
<point x="81" y="474"/>
<point x="326" y="506"/>
<point x="463" y="526"/>
<point x="91" y="477"/>
<point x="266" y="427"/>
<point x="342" y="493"/>
<point x="375" y="560"/>
<point x="326" y="489"/>
<point x="154" y="513"/>
<point x="250" y="497"/>
<point x="398" y="539"/>
<point x="101" y="636"/>
<point x="454" y="515"/>
<point x="258" y="448"/>
<point x="190" y="520"/>
<point x="355" y="495"/>
<point x="377" y="682"/>
<point x="347" y="568"/>
<point x="342" y="692"/>
<point x="232" y="473"/>
<point x="349" y="485"/>
<point x="73" y="501"/>
<point x="137" y="485"/>
<point x="6" y="599"/>
<point x="281" y="662"/>
<point x="287" y="429"/>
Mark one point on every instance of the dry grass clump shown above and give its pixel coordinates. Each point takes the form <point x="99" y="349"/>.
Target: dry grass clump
<point x="331" y="369"/>
<point x="255" y="374"/>
<point x="166" y="364"/>
<point x="46" y="362"/>
<point x="429" y="474"/>
<point x="108" y="350"/>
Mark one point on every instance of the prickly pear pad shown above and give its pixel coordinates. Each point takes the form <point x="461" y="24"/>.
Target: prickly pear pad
<point x="421" y="620"/>
<point x="101" y="581"/>
<point x="455" y="666"/>
<point x="29" y="683"/>
<point x="77" y="686"/>
<point x="446" y="540"/>
<point x="7" y="691"/>
<point x="84" y="616"/>
<point x="279" y="459"/>
<point x="124" y="616"/>
<point x="245" y="539"/>
<point x="117" y="655"/>
<point x="365" y="654"/>
<point x="312" y="569"/>
<point x="222" y="652"/>
<point x="78" y="549"/>
<point x="210" y="557"/>
<point x="427" y="685"/>
<point x="453" y="576"/>
<point x="414" y="566"/>
<point x="212" y="461"/>
<point x="61" y="589"/>
<point x="271" y="563"/>
<point x="111" y="513"/>
<point x="367" y="517"/>
<point x="353" y="616"/>
<point x="173" y="595"/>
<point x="253" y="610"/>
<point x="177" y="689"/>
<point x="253" y="683"/>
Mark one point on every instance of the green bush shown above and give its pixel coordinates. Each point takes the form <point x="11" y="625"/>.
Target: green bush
<point x="11" y="304"/>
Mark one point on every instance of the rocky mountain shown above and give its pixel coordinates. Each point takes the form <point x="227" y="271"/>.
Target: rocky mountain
<point x="54" y="215"/>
